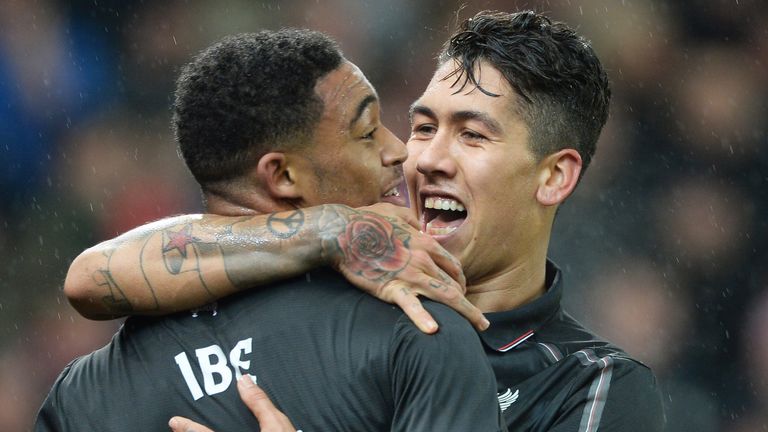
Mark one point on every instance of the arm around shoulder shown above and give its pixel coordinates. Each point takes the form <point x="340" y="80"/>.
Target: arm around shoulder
<point x="115" y="278"/>
<point x="185" y="262"/>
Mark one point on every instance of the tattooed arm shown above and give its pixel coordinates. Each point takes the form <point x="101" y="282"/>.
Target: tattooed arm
<point x="187" y="261"/>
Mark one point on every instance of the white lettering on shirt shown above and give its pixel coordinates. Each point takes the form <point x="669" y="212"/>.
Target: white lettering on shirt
<point x="212" y="363"/>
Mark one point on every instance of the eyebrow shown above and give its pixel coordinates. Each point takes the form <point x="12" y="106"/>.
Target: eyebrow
<point x="493" y="126"/>
<point x="361" y="107"/>
<point x="420" y="109"/>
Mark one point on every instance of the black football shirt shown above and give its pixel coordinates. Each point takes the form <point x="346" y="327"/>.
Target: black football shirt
<point x="555" y="375"/>
<point x="332" y="358"/>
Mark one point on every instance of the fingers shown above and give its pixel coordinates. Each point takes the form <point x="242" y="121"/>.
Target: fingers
<point x="430" y="271"/>
<point x="269" y="417"/>
<point x="182" y="424"/>
<point x="450" y="294"/>
<point x="450" y="266"/>
<point x="409" y="217"/>
<point x="407" y="299"/>
<point x="411" y="305"/>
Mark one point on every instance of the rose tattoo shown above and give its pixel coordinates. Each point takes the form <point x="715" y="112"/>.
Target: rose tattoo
<point x="372" y="246"/>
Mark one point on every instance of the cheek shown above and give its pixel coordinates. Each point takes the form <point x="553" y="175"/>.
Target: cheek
<point x="484" y="174"/>
<point x="499" y="186"/>
<point x="361" y="172"/>
<point x="414" y="149"/>
<point x="411" y="163"/>
<point x="409" y="169"/>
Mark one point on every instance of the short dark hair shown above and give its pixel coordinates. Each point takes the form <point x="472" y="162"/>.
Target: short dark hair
<point x="247" y="95"/>
<point x="563" y="88"/>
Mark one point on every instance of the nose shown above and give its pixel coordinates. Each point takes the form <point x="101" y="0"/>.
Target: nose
<point x="434" y="157"/>
<point x="393" y="151"/>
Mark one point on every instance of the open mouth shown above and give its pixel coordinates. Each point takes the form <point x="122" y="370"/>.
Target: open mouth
<point x="442" y="216"/>
<point x="392" y="192"/>
<point x="398" y="195"/>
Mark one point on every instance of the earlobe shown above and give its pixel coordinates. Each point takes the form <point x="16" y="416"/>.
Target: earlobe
<point x="275" y="173"/>
<point x="558" y="176"/>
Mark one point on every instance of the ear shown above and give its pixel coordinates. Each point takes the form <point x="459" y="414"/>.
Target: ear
<point x="276" y="175"/>
<point x="558" y="175"/>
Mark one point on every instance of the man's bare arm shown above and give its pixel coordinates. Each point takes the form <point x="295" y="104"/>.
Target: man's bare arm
<point x="187" y="261"/>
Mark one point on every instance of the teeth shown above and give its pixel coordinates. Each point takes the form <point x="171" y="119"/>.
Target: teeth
<point x="393" y="192"/>
<point x="443" y="204"/>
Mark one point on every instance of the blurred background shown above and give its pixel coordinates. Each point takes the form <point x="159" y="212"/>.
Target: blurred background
<point x="663" y="245"/>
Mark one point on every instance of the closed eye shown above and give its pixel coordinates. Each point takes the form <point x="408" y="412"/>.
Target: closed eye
<point x="369" y="135"/>
<point x="427" y="129"/>
<point x="472" y="136"/>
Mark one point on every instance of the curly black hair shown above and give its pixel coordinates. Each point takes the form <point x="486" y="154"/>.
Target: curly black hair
<point x="563" y="89"/>
<point x="247" y="95"/>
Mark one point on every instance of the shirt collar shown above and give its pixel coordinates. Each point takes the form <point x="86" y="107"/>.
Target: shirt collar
<point x="511" y="328"/>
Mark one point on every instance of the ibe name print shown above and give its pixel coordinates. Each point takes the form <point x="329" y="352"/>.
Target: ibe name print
<point x="215" y="366"/>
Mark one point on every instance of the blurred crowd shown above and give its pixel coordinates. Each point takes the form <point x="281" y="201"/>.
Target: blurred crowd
<point x="663" y="245"/>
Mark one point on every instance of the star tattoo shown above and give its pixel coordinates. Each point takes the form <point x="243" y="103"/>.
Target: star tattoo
<point x="179" y="240"/>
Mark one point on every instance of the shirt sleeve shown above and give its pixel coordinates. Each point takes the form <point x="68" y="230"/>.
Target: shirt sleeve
<point x="442" y="382"/>
<point x="623" y="398"/>
<point x="51" y="413"/>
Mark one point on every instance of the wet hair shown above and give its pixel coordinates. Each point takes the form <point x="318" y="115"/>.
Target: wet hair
<point x="562" y="88"/>
<point x="247" y="95"/>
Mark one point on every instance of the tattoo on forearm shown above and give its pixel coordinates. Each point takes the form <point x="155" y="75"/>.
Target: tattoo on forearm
<point x="115" y="301"/>
<point x="285" y="226"/>
<point x="176" y="248"/>
<point x="234" y="246"/>
<point x="373" y="247"/>
<point x="177" y="242"/>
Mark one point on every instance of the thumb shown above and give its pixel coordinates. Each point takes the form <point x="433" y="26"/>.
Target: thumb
<point x="183" y="424"/>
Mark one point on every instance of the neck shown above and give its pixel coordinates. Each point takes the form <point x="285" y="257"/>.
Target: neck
<point x="244" y="203"/>
<point x="517" y="284"/>
<point x="510" y="289"/>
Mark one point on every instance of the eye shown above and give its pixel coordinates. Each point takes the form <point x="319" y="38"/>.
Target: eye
<point x="369" y="135"/>
<point x="471" y="137"/>
<point x="424" y="129"/>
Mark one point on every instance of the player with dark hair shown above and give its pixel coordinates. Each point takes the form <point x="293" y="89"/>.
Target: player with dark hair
<point x="562" y="88"/>
<point x="500" y="138"/>
<point x="332" y="357"/>
<point x="224" y="129"/>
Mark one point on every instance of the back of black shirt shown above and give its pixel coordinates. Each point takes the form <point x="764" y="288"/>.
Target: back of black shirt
<point x="330" y="357"/>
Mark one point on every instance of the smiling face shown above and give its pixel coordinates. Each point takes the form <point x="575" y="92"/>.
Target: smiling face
<point x="473" y="174"/>
<point x="354" y="159"/>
